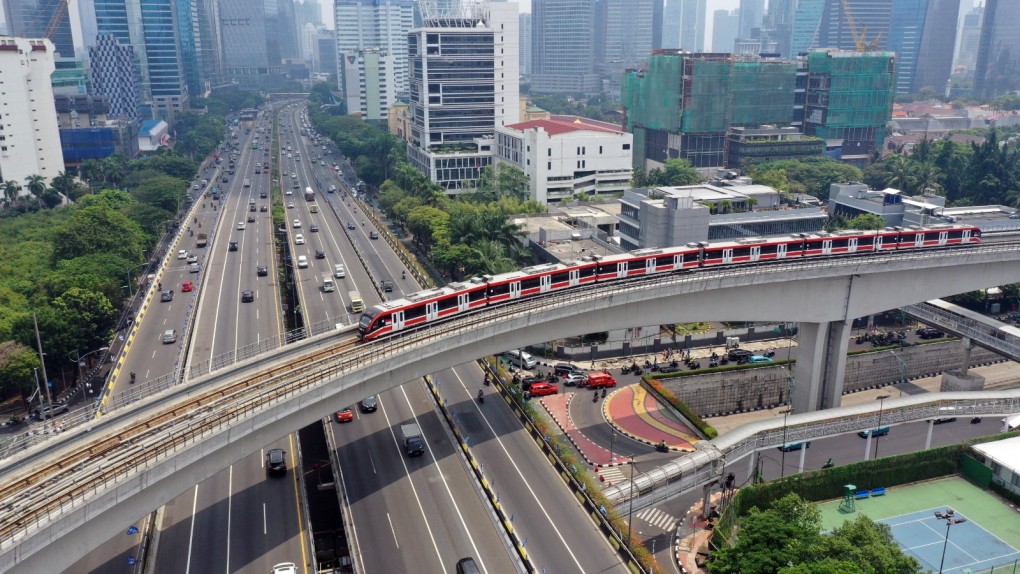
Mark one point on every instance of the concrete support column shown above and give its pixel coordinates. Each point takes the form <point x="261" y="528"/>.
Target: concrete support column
<point x="821" y="362"/>
<point x="968" y="346"/>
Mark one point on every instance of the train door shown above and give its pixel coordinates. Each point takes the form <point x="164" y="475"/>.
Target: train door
<point x="781" y="251"/>
<point x="574" y="277"/>
<point x="621" y="270"/>
<point x="727" y="256"/>
<point x="515" y="289"/>
<point x="919" y="240"/>
<point x="965" y="238"/>
<point x="878" y="243"/>
<point x="678" y="261"/>
<point x="826" y="246"/>
<point x="463" y="302"/>
<point x="544" y="283"/>
<point x="943" y="237"/>
<point x="432" y="311"/>
<point x="397" y="318"/>
<point x="755" y="253"/>
<point x="649" y="265"/>
<point x="851" y="245"/>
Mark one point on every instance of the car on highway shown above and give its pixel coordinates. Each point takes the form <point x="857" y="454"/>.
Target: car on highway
<point x="169" y="336"/>
<point x="302" y="262"/>
<point x="187" y="286"/>
<point x="194" y="268"/>
<point x="313" y="228"/>
<point x="261" y="270"/>
<point x="288" y="192"/>
<point x="542" y="389"/>
<point x="182" y="254"/>
<point x="320" y="254"/>
<point x="944" y="420"/>
<point x="232" y="246"/>
<point x="262" y="194"/>
<point x="251" y="219"/>
<point x="373" y="235"/>
<point x="263" y="209"/>
<point x="576" y="380"/>
<point x="563" y="369"/>
<point x="297" y="224"/>
<point x="739" y="354"/>
<point x="467" y="566"/>
<point x="299" y="239"/>
<point x="874" y="432"/>
<point x="192" y="258"/>
<point x="50" y="410"/>
<point x="240" y="226"/>
<point x="930" y="333"/>
<point x="795" y="446"/>
<point x="345" y="415"/>
<point x="350" y="225"/>
<point x="290" y="205"/>
<point x="339" y="272"/>
<point x="759" y="359"/>
<point x="247" y="296"/>
<point x="386" y="286"/>
<point x="166" y="296"/>
<point x="276" y="462"/>
<point x="284" y="568"/>
<point x="369" y="404"/>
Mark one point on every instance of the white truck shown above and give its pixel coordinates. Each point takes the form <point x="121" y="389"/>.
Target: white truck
<point x="328" y="285"/>
<point x="414" y="444"/>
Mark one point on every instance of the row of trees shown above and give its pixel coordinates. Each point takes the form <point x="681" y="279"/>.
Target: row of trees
<point x="374" y="152"/>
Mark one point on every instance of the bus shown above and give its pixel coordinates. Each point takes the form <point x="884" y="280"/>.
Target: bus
<point x="357" y="304"/>
<point x="309" y="194"/>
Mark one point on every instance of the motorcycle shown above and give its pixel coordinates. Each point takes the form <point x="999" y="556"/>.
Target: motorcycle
<point x="655" y="367"/>
<point x="486" y="380"/>
<point x="637" y="371"/>
<point x="625" y="369"/>
<point x="661" y="447"/>
<point x="713" y="362"/>
<point x="481" y="396"/>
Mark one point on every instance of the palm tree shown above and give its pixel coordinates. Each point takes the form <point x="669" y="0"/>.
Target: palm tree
<point x="36" y="186"/>
<point x="901" y="173"/>
<point x="63" y="183"/>
<point x="929" y="176"/>
<point x="11" y="190"/>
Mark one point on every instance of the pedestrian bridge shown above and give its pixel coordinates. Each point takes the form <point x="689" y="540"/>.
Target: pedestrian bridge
<point x="61" y="497"/>
<point x="993" y="335"/>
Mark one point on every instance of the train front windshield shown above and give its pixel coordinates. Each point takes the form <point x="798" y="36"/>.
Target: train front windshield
<point x="366" y="319"/>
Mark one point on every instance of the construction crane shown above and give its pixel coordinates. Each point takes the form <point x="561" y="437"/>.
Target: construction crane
<point x="59" y="11"/>
<point x="860" y="40"/>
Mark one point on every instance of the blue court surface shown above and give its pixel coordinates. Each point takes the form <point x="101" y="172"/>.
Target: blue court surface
<point x="971" y="548"/>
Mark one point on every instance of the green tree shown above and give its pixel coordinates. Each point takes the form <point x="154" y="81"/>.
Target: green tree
<point x="95" y="229"/>
<point x="901" y="173"/>
<point x="36" y="186"/>
<point x="503" y="180"/>
<point x="866" y="221"/>
<point x="811" y="175"/>
<point x="770" y="539"/>
<point x="11" y="190"/>
<point x="63" y="183"/>
<point x="16" y="364"/>
<point x="91" y="313"/>
<point x="675" y="172"/>
<point x="428" y="224"/>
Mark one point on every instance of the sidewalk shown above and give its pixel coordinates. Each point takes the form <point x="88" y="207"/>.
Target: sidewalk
<point x="593" y="454"/>
<point x="637" y="414"/>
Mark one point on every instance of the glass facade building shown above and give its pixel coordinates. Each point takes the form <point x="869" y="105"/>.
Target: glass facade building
<point x="998" y="62"/>
<point x="41" y="19"/>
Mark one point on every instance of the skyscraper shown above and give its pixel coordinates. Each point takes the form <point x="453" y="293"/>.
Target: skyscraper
<point x="525" y="43"/>
<point x="751" y="14"/>
<point x="998" y="63"/>
<point x="970" y="38"/>
<point x="246" y="46"/>
<point x="113" y="76"/>
<point x="872" y="21"/>
<point x="935" y="56"/>
<point x="562" y="50"/>
<point x="167" y="87"/>
<point x="804" y="31"/>
<point x="683" y="25"/>
<point x="371" y="45"/>
<point x="465" y="84"/>
<point x="725" y="24"/>
<point x="779" y="23"/>
<point x="623" y="38"/>
<point x="41" y="19"/>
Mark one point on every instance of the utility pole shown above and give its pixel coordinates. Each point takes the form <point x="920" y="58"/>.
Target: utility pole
<point x="42" y="360"/>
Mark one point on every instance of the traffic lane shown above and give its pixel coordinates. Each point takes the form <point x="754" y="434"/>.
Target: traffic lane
<point x="590" y="420"/>
<point x="528" y="486"/>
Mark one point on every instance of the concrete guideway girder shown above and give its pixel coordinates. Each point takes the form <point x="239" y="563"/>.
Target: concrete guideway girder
<point x="322" y="372"/>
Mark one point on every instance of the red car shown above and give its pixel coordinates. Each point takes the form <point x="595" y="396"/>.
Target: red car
<point x="345" y="415"/>
<point x="186" y="286"/>
<point x="542" y="389"/>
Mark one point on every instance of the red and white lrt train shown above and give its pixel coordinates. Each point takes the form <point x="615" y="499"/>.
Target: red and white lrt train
<point x="456" y="298"/>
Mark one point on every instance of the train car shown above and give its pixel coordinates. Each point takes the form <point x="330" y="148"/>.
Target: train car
<point x="938" y="235"/>
<point x="539" y="279"/>
<point x="647" y="262"/>
<point x="751" y="250"/>
<point x="423" y="307"/>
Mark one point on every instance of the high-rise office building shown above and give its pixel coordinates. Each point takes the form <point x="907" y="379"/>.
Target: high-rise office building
<point x="752" y="13"/>
<point x="778" y="22"/>
<point x="42" y="19"/>
<point x="210" y="53"/>
<point x="464" y="84"/>
<point x="872" y="19"/>
<point x="563" y="47"/>
<point x="997" y="70"/>
<point x="725" y="24"/>
<point x="308" y="12"/>
<point x="525" y="43"/>
<point x="804" y="31"/>
<point x="683" y="25"/>
<point x="29" y="134"/>
<point x="935" y="54"/>
<point x="371" y="45"/>
<point x="113" y="75"/>
<point x="190" y="44"/>
<point x="167" y="87"/>
<point x="623" y="38"/>
<point x="290" y="45"/>
<point x="970" y="38"/>
<point x="326" y="52"/>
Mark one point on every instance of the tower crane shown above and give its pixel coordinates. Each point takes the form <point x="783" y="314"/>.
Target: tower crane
<point x="860" y="39"/>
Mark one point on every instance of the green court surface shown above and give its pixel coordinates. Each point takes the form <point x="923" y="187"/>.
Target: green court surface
<point x="989" y="511"/>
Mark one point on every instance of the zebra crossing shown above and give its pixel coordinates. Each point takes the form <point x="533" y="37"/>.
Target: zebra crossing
<point x="657" y="518"/>
<point x="614" y="474"/>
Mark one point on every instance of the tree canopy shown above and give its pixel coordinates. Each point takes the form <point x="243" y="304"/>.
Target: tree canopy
<point x="812" y="176"/>
<point x="676" y="172"/>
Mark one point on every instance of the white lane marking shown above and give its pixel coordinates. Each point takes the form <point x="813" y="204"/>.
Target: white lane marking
<point x="230" y="506"/>
<point x="392" y="531"/>
<point x="191" y="533"/>
<point x="265" y="523"/>
<point x="414" y="491"/>
<point x="446" y="484"/>
<point x="520" y="475"/>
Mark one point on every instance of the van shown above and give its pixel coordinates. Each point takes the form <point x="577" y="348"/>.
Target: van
<point x="169" y="336"/>
<point x="521" y="359"/>
<point x="247" y="182"/>
<point x="357" y="303"/>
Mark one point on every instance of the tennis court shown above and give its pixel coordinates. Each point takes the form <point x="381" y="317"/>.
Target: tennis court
<point x="987" y="539"/>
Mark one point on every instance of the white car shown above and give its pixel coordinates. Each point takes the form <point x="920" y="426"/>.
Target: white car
<point x="290" y="205"/>
<point x="339" y="271"/>
<point x="182" y="254"/>
<point x="285" y="568"/>
<point x="240" y="226"/>
<point x="288" y="192"/>
<point x="293" y="175"/>
<point x="299" y="239"/>
<point x="297" y="223"/>
<point x="302" y="261"/>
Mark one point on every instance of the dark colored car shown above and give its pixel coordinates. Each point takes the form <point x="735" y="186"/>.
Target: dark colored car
<point x="930" y="333"/>
<point x="564" y="369"/>
<point x="251" y="218"/>
<point x="795" y="446"/>
<point x="320" y="254"/>
<point x="387" y="286"/>
<point x="232" y="246"/>
<point x="373" y="235"/>
<point x="739" y="354"/>
<point x="247" y="296"/>
<point x="262" y="271"/>
<point x="350" y="225"/>
<point x="313" y="228"/>
<point x="276" y="462"/>
<point x="166" y="296"/>
<point x="369" y="404"/>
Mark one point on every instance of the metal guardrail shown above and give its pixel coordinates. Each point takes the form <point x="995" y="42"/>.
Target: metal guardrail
<point x="210" y="408"/>
<point x="965" y="327"/>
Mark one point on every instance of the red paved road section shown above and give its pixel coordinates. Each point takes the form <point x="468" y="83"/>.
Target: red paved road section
<point x="593" y="454"/>
<point x="635" y="413"/>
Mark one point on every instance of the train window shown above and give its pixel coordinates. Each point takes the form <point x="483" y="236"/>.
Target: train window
<point x="414" y="312"/>
<point x="840" y="243"/>
<point x="498" y="290"/>
<point x="448" y="303"/>
<point x="530" y="283"/>
<point x="587" y="272"/>
<point x="741" y="252"/>
<point x="664" y="261"/>
<point x="561" y="277"/>
<point x="955" y="234"/>
<point x="769" y="249"/>
<point x="478" y="295"/>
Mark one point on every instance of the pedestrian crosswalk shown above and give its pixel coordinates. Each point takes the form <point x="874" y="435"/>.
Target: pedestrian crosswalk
<point x="613" y="474"/>
<point x="657" y="518"/>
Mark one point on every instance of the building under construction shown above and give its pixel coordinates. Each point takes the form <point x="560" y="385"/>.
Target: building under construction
<point x="682" y="105"/>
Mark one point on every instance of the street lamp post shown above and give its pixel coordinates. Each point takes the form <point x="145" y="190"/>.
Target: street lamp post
<point x="903" y="371"/>
<point x="950" y="518"/>
<point x="78" y="360"/>
<point x="782" y="463"/>
<point x="881" y="403"/>
<point x="630" y="513"/>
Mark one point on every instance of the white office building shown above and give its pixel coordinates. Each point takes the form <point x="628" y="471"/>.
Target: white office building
<point x="568" y="156"/>
<point x="29" y="134"/>
<point x="465" y="84"/>
<point x="371" y="53"/>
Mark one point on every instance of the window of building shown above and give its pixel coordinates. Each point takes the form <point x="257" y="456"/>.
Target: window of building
<point x="550" y="152"/>
<point x="549" y="166"/>
<point x="626" y="146"/>
<point x="600" y="150"/>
